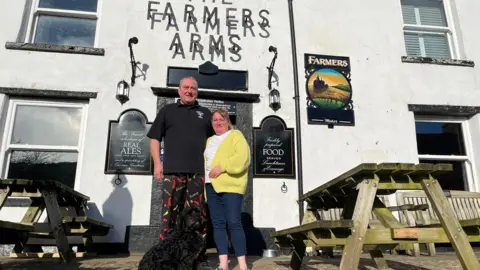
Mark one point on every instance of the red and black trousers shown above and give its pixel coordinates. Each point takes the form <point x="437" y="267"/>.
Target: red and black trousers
<point x="181" y="191"/>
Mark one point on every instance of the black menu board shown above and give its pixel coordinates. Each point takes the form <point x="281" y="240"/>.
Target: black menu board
<point x="274" y="152"/>
<point x="128" y="147"/>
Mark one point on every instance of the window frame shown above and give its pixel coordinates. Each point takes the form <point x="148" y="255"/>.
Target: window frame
<point x="449" y="31"/>
<point x="7" y="147"/>
<point x="36" y="11"/>
<point x="470" y="177"/>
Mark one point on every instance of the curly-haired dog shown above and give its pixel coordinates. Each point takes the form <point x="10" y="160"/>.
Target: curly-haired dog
<point x="181" y="247"/>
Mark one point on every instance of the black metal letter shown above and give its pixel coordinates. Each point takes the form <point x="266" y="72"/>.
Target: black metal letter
<point x="247" y="21"/>
<point x="177" y="45"/>
<point x="235" y="49"/>
<point x="154" y="19"/>
<point x="195" y="46"/>
<point x="231" y="21"/>
<point x="226" y="3"/>
<point x="264" y="24"/>
<point x="190" y="18"/>
<point x="172" y="20"/>
<point x="150" y="9"/>
<point x="207" y="19"/>
<point x="216" y="47"/>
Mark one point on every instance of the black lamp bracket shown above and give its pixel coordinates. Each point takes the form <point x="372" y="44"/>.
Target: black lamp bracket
<point x="133" y="63"/>
<point x="272" y="64"/>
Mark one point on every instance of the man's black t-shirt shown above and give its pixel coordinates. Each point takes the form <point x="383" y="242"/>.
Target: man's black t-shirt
<point x="184" y="130"/>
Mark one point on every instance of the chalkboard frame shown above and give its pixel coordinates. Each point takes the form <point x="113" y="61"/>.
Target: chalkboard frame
<point x="108" y="170"/>
<point x="259" y="129"/>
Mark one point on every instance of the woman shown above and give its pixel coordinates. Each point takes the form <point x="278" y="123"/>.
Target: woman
<point x="227" y="157"/>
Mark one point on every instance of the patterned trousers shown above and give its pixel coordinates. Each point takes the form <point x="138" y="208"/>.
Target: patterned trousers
<point x="180" y="191"/>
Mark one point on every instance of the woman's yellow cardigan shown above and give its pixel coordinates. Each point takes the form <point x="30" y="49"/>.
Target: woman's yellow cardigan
<point x="233" y="155"/>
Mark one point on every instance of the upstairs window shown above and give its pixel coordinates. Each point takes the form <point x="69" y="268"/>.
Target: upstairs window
<point x="427" y="30"/>
<point x="64" y="22"/>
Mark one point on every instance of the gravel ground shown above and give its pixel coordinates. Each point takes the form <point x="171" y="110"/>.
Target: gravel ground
<point x="441" y="261"/>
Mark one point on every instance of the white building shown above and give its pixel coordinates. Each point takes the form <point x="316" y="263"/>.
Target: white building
<point x="62" y="62"/>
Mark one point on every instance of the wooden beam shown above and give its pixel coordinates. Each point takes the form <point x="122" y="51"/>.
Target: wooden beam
<point x="321" y="224"/>
<point x="58" y="227"/>
<point x="361" y="216"/>
<point x="450" y="224"/>
<point x="359" y="170"/>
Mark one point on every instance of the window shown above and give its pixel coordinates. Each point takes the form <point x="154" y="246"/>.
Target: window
<point x="64" y="22"/>
<point x="427" y="28"/>
<point x="446" y="141"/>
<point x="43" y="140"/>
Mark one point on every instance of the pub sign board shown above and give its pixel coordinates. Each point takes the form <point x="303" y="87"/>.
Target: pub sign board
<point x="273" y="149"/>
<point x="128" y="147"/>
<point x="329" y="91"/>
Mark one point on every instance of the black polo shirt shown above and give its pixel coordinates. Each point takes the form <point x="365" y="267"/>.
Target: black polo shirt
<point x="184" y="130"/>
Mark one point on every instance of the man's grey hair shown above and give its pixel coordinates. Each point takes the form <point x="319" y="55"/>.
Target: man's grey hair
<point x="191" y="78"/>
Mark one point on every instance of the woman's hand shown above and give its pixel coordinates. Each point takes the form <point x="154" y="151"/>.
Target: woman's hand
<point x="215" y="172"/>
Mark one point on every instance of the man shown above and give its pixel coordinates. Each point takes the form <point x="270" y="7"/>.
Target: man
<point x="184" y="127"/>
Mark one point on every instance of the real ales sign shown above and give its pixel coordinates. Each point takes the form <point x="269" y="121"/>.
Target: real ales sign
<point x="128" y="148"/>
<point x="273" y="149"/>
<point x="216" y="31"/>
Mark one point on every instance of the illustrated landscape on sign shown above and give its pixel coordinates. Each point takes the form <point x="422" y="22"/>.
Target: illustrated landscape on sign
<point x="329" y="89"/>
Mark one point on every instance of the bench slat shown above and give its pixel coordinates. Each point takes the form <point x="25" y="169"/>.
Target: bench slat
<point x="69" y="219"/>
<point x="321" y="224"/>
<point x="16" y="226"/>
<point x="359" y="170"/>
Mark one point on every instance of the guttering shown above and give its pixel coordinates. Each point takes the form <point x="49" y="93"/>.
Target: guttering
<point x="298" y="130"/>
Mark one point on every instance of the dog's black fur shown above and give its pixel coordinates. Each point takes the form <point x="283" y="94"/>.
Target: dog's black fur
<point x="181" y="245"/>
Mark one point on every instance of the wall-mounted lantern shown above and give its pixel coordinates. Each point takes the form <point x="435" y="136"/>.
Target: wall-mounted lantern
<point x="123" y="92"/>
<point x="274" y="99"/>
<point x="274" y="95"/>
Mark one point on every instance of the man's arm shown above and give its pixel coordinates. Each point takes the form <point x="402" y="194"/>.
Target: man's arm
<point x="156" y="134"/>
<point x="155" y="151"/>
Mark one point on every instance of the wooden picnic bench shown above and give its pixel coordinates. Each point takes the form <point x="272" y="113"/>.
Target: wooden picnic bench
<point x="66" y="216"/>
<point x="466" y="206"/>
<point x="357" y="193"/>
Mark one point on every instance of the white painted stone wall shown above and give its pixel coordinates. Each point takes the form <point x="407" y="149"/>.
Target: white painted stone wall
<point x="382" y="88"/>
<point x="382" y="84"/>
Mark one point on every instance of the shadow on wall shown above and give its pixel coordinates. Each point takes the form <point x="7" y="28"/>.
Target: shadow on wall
<point x="255" y="239"/>
<point x="117" y="209"/>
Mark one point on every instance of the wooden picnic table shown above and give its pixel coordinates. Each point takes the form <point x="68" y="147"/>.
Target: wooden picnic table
<point x="55" y="198"/>
<point x="356" y="192"/>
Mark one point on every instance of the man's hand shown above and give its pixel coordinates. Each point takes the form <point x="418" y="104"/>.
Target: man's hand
<point x="215" y="172"/>
<point x="158" y="172"/>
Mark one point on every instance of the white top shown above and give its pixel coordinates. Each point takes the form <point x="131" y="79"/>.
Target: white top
<point x="211" y="150"/>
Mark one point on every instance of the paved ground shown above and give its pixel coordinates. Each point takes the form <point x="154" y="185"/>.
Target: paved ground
<point x="441" y="261"/>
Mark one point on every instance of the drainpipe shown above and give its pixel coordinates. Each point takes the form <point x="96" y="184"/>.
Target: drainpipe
<point x="298" y="132"/>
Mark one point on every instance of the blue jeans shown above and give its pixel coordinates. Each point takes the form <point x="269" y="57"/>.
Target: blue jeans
<point x="225" y="208"/>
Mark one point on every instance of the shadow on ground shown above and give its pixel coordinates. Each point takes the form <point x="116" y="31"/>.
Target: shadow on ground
<point x="75" y="264"/>
<point x="365" y="264"/>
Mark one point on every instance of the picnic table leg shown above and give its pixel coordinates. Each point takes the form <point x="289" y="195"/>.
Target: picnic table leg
<point x="450" y="224"/>
<point x="298" y="254"/>
<point x="55" y="221"/>
<point x="4" y="193"/>
<point x="32" y="215"/>
<point x="361" y="216"/>
<point x="87" y="239"/>
<point x="379" y="260"/>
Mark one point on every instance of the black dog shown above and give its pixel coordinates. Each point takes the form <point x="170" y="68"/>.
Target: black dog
<point x="181" y="247"/>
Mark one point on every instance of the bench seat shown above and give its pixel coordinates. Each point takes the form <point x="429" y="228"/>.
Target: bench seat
<point x="11" y="232"/>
